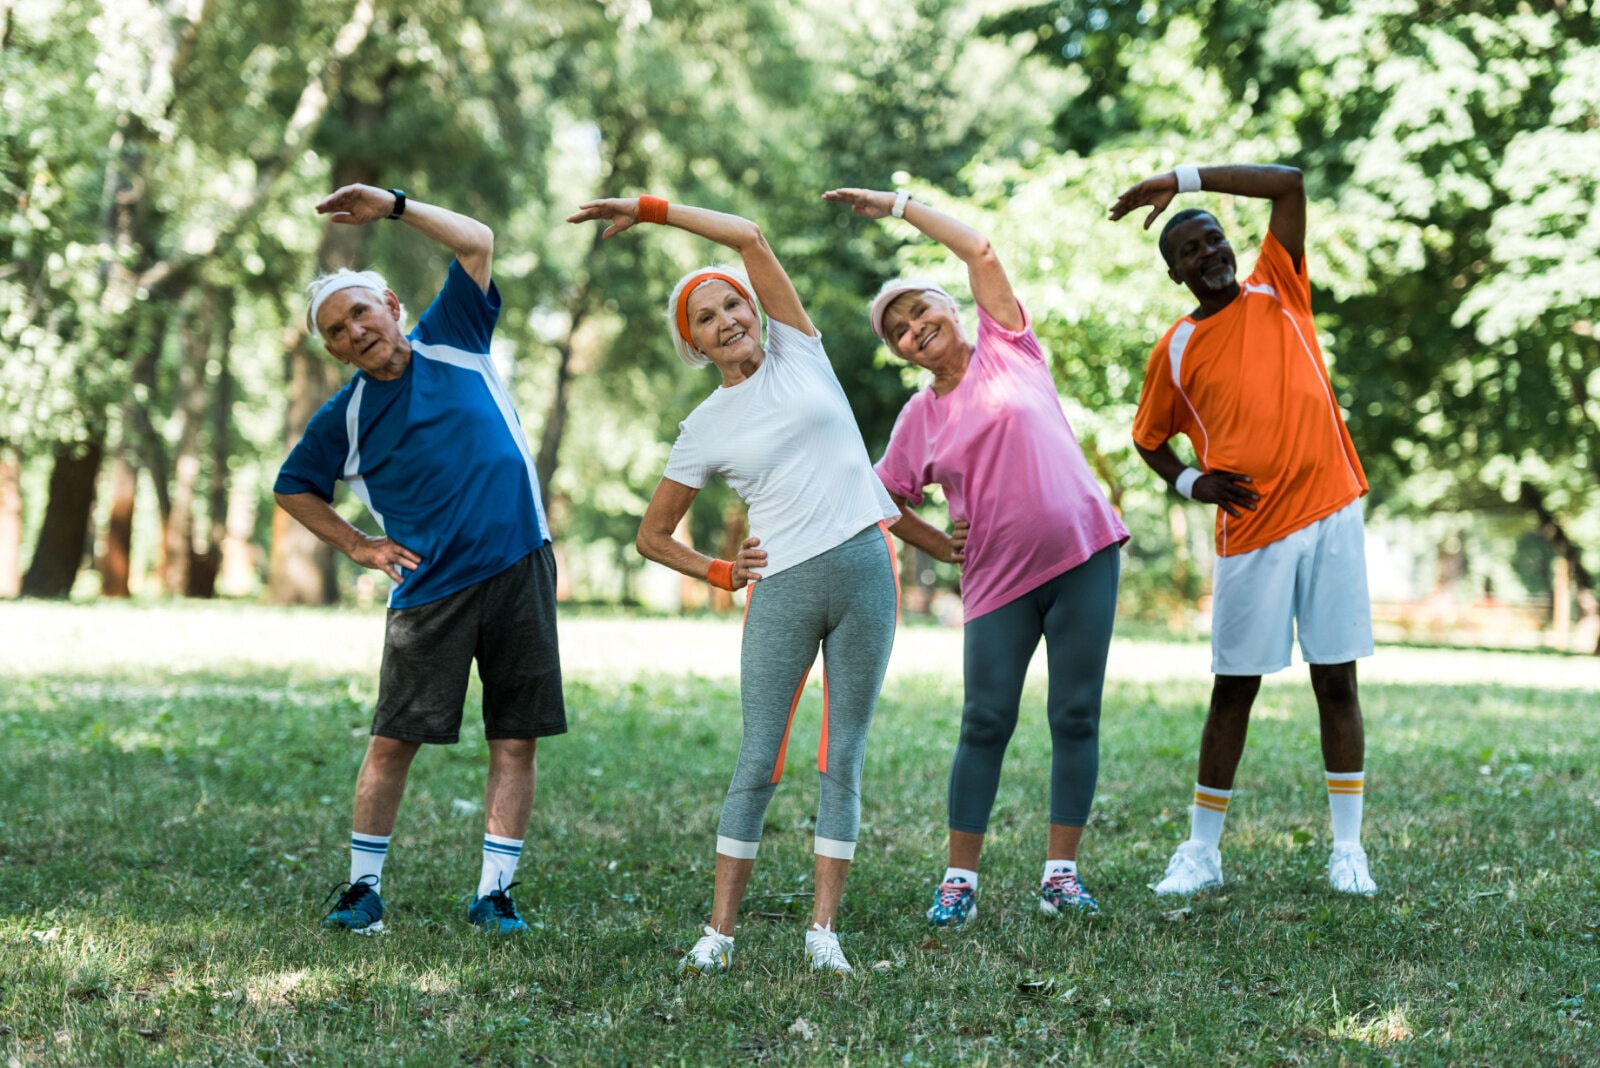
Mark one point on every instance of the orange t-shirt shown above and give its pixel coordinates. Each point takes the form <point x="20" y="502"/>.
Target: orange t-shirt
<point x="1249" y="389"/>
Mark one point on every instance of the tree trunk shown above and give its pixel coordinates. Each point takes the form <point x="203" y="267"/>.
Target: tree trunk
<point x="115" y="563"/>
<point x="1550" y="526"/>
<point x="10" y="522"/>
<point x="62" y="540"/>
<point x="198" y="334"/>
<point x="206" y="564"/>
<point x="301" y="568"/>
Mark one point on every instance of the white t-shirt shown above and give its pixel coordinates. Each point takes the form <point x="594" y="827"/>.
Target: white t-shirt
<point x="786" y="442"/>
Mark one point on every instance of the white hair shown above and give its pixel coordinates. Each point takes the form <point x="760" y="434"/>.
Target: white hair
<point x="685" y="348"/>
<point x="325" y="285"/>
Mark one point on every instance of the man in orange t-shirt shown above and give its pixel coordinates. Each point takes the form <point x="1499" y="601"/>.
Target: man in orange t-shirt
<point x="1242" y="377"/>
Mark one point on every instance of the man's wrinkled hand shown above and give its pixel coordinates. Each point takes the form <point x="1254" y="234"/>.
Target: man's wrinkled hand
<point x="386" y="555"/>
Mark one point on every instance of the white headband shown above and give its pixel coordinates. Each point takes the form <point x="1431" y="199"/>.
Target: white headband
<point x="344" y="279"/>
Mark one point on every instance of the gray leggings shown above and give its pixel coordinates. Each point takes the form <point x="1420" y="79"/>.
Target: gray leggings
<point x="845" y="600"/>
<point x="1073" y="612"/>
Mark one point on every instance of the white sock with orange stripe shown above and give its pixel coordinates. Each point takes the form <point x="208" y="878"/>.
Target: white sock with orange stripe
<point x="1210" y="808"/>
<point x="1345" y="794"/>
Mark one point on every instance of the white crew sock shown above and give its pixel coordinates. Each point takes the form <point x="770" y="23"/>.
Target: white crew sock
<point x="1051" y="867"/>
<point x="1345" y="798"/>
<point x="367" y="854"/>
<point x="1210" y="808"/>
<point x="500" y="856"/>
<point x="962" y="873"/>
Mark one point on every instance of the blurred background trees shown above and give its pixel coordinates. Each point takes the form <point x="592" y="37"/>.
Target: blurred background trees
<point x="159" y="160"/>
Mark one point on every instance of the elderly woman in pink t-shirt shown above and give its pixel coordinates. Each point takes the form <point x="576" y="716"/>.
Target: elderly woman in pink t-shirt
<point x="1036" y="539"/>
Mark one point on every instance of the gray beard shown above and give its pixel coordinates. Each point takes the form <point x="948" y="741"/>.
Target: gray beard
<point x="1220" y="277"/>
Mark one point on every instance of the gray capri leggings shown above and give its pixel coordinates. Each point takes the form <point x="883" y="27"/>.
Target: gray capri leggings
<point x="1073" y="612"/>
<point x="845" y="600"/>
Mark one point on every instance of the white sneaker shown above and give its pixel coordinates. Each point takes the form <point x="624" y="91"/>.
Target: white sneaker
<point x="1195" y="866"/>
<point x="822" y="950"/>
<point x="1347" y="870"/>
<point x="711" y="955"/>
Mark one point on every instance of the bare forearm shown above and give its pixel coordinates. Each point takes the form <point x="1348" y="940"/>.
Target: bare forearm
<point x="1269" y="181"/>
<point x="732" y="231"/>
<point x="469" y="239"/>
<point x="1163" y="461"/>
<point x="663" y="548"/>
<point x="319" y="517"/>
<point x="969" y="245"/>
<point x="919" y="533"/>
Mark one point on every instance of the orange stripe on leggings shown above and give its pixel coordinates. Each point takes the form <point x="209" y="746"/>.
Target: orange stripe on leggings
<point x="777" y="769"/>
<point x="894" y="569"/>
<point x="822" y="742"/>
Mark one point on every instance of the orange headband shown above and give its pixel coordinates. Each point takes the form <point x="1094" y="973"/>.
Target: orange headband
<point x="695" y="283"/>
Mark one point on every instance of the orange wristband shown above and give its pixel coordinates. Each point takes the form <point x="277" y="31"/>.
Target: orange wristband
<point x="652" y="210"/>
<point x="720" y="575"/>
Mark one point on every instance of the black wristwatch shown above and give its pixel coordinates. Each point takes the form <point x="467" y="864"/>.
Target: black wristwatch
<point x="399" y="203"/>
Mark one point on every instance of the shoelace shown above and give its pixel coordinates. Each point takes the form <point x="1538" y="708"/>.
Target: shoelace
<point x="353" y="893"/>
<point x="712" y="945"/>
<point x="500" y="902"/>
<point x="950" y="893"/>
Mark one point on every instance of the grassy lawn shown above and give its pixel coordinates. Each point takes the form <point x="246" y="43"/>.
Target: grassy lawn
<point x="172" y="817"/>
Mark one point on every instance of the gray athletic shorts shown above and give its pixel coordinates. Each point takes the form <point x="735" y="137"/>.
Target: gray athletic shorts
<point x="508" y="624"/>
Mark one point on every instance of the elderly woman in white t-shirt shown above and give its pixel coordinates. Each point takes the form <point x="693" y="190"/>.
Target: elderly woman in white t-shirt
<point x="818" y="567"/>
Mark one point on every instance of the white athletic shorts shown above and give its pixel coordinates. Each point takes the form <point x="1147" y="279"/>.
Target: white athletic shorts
<point x="1314" y="580"/>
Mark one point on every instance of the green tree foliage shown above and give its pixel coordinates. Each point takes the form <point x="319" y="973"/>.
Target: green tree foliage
<point x="1448" y="151"/>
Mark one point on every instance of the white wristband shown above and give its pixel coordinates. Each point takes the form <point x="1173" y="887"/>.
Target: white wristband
<point x="1188" y="177"/>
<point x="1185" y="481"/>
<point x="901" y="199"/>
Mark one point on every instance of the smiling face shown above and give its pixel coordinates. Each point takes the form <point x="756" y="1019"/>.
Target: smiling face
<point x="723" y="324"/>
<point x="923" y="328"/>
<point x="1202" y="259"/>
<point x="362" y="328"/>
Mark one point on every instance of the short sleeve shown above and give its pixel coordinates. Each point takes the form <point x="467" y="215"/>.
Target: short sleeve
<point x="462" y="316"/>
<point x="1156" y="421"/>
<point x="317" y="460"/>
<point x="900" y="470"/>
<point x="785" y="342"/>
<point x="995" y="338"/>
<point x="687" y="463"/>
<point x="1275" y="267"/>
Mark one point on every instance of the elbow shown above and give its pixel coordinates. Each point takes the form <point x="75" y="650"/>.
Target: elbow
<point x="645" y="544"/>
<point x="749" y="238"/>
<point x="1294" y="181"/>
<point x="983" y="254"/>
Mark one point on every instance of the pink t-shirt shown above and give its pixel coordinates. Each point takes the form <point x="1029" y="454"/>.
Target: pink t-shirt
<point x="1000" y="446"/>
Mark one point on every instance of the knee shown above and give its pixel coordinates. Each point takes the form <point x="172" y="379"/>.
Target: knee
<point x="1075" y="714"/>
<point x="1334" y="684"/>
<point x="986" y="728"/>
<point x="391" y="752"/>
<point x="1077" y="724"/>
<point x="1234" y="694"/>
<point x="513" y="752"/>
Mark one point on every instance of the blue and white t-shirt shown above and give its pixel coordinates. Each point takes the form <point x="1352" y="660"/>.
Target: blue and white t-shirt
<point x="437" y="455"/>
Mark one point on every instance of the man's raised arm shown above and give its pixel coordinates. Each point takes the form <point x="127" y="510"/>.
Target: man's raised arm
<point x="469" y="239"/>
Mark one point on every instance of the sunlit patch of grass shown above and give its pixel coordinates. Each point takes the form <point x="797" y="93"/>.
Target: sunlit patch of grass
<point x="166" y="843"/>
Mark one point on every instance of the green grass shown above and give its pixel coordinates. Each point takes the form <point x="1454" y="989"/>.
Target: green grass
<point x="167" y="836"/>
